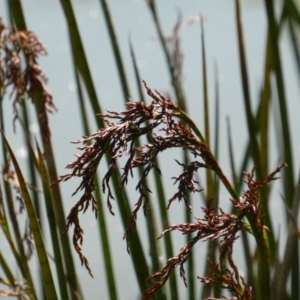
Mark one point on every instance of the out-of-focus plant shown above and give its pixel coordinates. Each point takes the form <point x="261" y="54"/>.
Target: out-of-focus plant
<point x="22" y="79"/>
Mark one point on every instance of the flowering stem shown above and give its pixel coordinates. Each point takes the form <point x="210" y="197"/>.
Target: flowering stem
<point x="260" y="236"/>
<point x="184" y="117"/>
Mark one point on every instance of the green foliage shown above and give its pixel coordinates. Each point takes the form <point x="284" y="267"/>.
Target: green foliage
<point x="131" y="143"/>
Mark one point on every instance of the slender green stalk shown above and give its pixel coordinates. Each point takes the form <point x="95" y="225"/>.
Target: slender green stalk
<point x="155" y="251"/>
<point x="294" y="42"/>
<point x="55" y="238"/>
<point x="287" y="263"/>
<point x="205" y="88"/>
<point x="263" y="248"/>
<point x="39" y="244"/>
<point x="152" y="233"/>
<point x="264" y="112"/>
<point x="289" y="174"/>
<point x="276" y="58"/>
<point x="210" y="192"/>
<point x="137" y="253"/>
<point x="263" y="126"/>
<point x="102" y="224"/>
<point x="18" y="247"/>
<point x="116" y="50"/>
<point x="7" y="194"/>
<point x="175" y="79"/>
<point x="252" y="129"/>
<point x="217" y="113"/>
<point x="6" y="269"/>
<point x="209" y="178"/>
<point x="15" y="7"/>
<point x="33" y="179"/>
<point x="234" y="175"/>
<point x="19" y="20"/>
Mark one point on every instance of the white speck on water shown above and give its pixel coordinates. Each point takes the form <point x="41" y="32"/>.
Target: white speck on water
<point x="34" y="128"/>
<point x="93" y="13"/>
<point x="22" y="152"/>
<point x="72" y="87"/>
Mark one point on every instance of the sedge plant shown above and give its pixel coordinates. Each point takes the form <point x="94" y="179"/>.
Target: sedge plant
<point x="130" y="143"/>
<point x="166" y="126"/>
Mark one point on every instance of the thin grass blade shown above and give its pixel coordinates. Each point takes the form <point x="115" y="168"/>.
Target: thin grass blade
<point x="116" y="50"/>
<point x="137" y="253"/>
<point x="262" y="243"/>
<point x="6" y="269"/>
<point x="19" y="20"/>
<point x="102" y="224"/>
<point x="210" y="192"/>
<point x="36" y="232"/>
<point x="155" y="251"/>
<point x="280" y="282"/>
<point x="289" y="185"/>
<point x="55" y="238"/>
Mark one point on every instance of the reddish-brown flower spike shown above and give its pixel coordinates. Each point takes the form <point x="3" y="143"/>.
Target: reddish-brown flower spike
<point x="160" y="123"/>
<point x="20" y="72"/>
<point x="187" y="183"/>
<point x="250" y="203"/>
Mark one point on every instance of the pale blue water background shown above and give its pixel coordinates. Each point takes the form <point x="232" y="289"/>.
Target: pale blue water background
<point x="46" y="19"/>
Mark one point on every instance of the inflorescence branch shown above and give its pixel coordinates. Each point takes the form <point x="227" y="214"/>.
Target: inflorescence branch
<point x="21" y="74"/>
<point x="164" y="125"/>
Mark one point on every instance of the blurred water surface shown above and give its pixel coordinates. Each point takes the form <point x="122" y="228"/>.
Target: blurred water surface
<point x="132" y="18"/>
